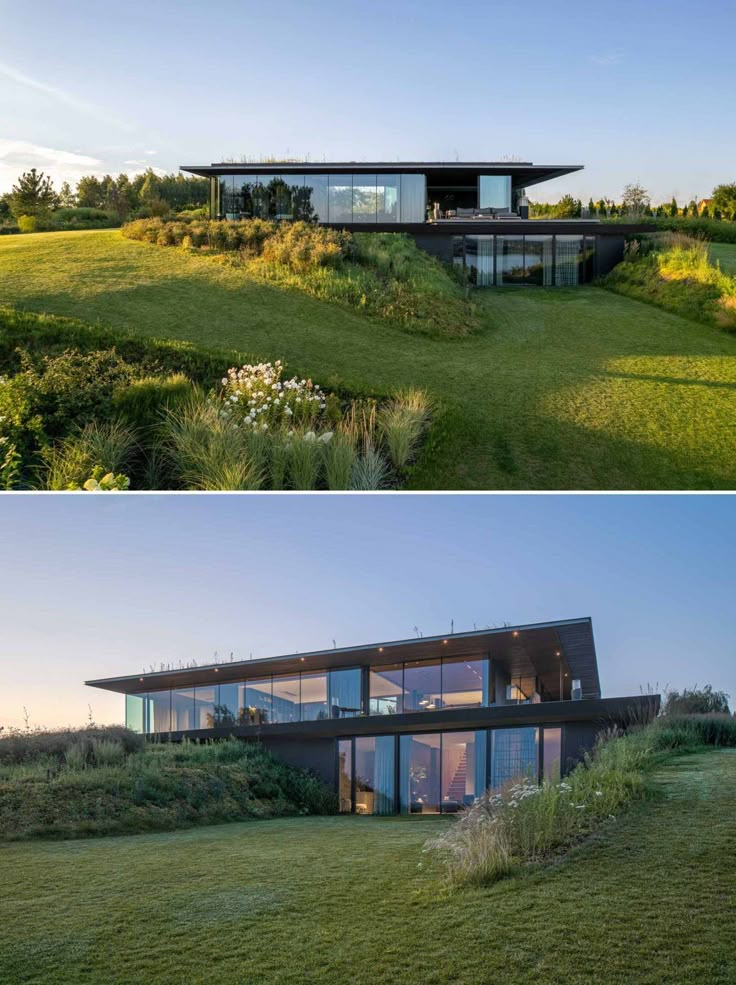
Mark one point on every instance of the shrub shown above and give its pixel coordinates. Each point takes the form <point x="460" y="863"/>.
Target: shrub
<point x="144" y="402"/>
<point x="27" y="224"/>
<point x="691" y="701"/>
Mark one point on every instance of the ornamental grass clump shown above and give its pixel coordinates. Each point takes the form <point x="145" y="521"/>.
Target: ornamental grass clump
<point x="401" y="423"/>
<point x="108" y="446"/>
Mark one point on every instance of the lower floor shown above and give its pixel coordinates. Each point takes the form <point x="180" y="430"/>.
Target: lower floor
<point x="441" y="772"/>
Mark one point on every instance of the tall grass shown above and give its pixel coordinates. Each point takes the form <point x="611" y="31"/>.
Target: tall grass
<point x="339" y="460"/>
<point x="401" y="423"/>
<point x="109" y="444"/>
<point x="524" y="822"/>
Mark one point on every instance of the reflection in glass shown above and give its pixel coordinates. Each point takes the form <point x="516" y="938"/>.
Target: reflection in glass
<point x="552" y="753"/>
<point x="479" y="260"/>
<point x="413" y="198"/>
<point x="205" y="699"/>
<point x="374" y="774"/>
<point x="182" y="709"/>
<point x="464" y="682"/>
<point x="286" y="699"/>
<point x="385" y="690"/>
<point x="228" y="202"/>
<point x="315" y="198"/>
<point x="345" y="772"/>
<point x="419" y="774"/>
<point x="568" y="258"/>
<point x="589" y="260"/>
<point x="230" y="704"/>
<point x="134" y="708"/>
<point x="422" y="685"/>
<point x="514" y="755"/>
<point x="495" y="192"/>
<point x="364" y="198"/>
<point x="159" y="711"/>
<point x="345" y="693"/>
<point x="257" y="706"/>
<point x="387" y="197"/>
<point x="314" y="697"/>
<point x="463" y="769"/>
<point x="341" y="198"/>
<point x="538" y="256"/>
<point x="261" y="197"/>
<point x="510" y="259"/>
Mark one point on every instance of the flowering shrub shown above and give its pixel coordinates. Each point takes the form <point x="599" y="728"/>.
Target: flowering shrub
<point x="257" y="397"/>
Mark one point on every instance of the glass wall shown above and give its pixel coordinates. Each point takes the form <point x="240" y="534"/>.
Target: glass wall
<point x="182" y="709"/>
<point x="360" y="198"/>
<point x="441" y="772"/>
<point x="134" y="712"/>
<point x="423" y="685"/>
<point x="314" y="697"/>
<point x="495" y="192"/>
<point x="205" y="699"/>
<point x="514" y="754"/>
<point x="374" y="774"/>
<point x="346" y="693"/>
<point x="544" y="261"/>
<point x="286" y="698"/>
<point x="230" y="706"/>
<point x="551" y="753"/>
<point x="385" y="688"/>
<point x="345" y="774"/>
<point x="464" y="683"/>
<point x="256" y="697"/>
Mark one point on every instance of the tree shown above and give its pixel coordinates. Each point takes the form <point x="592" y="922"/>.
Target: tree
<point x="89" y="193"/>
<point x="567" y="208"/>
<point x="717" y="215"/>
<point x="684" y="212"/>
<point x="673" y="207"/>
<point x="696" y="701"/>
<point x="635" y="199"/>
<point x="33" y="195"/>
<point x="67" y="198"/>
<point x="4" y="207"/>
<point x="591" y="208"/>
<point x="705" y="213"/>
<point x="724" y="198"/>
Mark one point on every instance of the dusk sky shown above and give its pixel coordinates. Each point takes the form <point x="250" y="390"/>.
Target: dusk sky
<point x="633" y="91"/>
<point x="94" y="586"/>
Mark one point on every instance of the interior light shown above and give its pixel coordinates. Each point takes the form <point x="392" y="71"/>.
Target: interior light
<point x="301" y="658"/>
<point x="140" y="678"/>
<point x="557" y="653"/>
<point x="444" y="641"/>
<point x="516" y="632"/>
<point x="380" y="649"/>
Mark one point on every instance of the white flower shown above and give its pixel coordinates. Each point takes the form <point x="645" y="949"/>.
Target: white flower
<point x="599" y="793"/>
<point x="324" y="438"/>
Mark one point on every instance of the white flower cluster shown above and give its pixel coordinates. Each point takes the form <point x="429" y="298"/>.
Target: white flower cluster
<point x="257" y="396"/>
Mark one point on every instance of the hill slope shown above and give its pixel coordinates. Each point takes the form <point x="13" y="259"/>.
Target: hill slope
<point x="341" y="900"/>
<point x="559" y="389"/>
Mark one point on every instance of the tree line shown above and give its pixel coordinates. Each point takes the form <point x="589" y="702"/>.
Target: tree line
<point x="143" y="195"/>
<point x="636" y="202"/>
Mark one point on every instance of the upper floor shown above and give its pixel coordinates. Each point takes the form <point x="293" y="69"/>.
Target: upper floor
<point x="523" y="665"/>
<point x="374" y="194"/>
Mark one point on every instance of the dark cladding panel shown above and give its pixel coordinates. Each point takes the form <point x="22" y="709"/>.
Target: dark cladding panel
<point x="318" y="755"/>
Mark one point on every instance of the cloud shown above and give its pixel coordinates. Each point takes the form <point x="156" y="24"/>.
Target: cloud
<point x="90" y="109"/>
<point x="17" y="156"/>
<point x="151" y="152"/>
<point x="612" y="58"/>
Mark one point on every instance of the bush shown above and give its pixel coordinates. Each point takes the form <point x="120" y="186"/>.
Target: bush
<point x="27" y="224"/>
<point x="144" y="403"/>
<point x="696" y="701"/>
<point x="94" y="782"/>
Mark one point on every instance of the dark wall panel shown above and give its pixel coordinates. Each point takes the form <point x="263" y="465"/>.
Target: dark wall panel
<point x="610" y="252"/>
<point x="578" y="738"/>
<point x="317" y="755"/>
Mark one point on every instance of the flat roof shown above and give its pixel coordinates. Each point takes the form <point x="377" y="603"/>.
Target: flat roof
<point x="525" y="171"/>
<point x="535" y="648"/>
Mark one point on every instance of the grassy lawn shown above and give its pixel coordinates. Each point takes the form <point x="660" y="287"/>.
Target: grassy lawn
<point x="726" y="254"/>
<point x="652" y="899"/>
<point x="578" y="389"/>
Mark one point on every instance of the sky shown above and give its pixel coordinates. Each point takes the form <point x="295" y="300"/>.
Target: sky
<point x="634" y="91"/>
<point x="97" y="586"/>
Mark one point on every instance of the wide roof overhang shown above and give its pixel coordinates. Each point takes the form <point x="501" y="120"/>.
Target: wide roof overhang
<point x="524" y="173"/>
<point x="537" y="649"/>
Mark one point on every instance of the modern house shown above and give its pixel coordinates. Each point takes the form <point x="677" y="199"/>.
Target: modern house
<point x="474" y="215"/>
<point x="415" y="726"/>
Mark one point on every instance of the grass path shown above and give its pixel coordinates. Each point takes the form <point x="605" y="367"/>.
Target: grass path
<point x="341" y="901"/>
<point x="578" y="389"/>
<point x="725" y="253"/>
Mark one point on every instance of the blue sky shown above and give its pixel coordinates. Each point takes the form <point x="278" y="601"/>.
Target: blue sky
<point x="92" y="586"/>
<point x="633" y="91"/>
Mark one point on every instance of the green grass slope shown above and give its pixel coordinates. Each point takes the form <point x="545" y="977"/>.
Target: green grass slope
<point x="725" y="253"/>
<point x="578" y="389"/>
<point x="343" y="901"/>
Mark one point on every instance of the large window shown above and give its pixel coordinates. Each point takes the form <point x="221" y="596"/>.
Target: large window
<point x="514" y="755"/>
<point x="413" y="198"/>
<point x="345" y="772"/>
<point x="509" y="259"/>
<point x="257" y="702"/>
<point x="229" y="710"/>
<point x="495" y="192"/>
<point x="441" y="771"/>
<point x="182" y="709"/>
<point x="364" y="198"/>
<point x="315" y="197"/>
<point x="570" y="260"/>
<point x="346" y="693"/>
<point x="543" y="261"/>
<point x="538" y="260"/>
<point x="341" y="198"/>
<point x="479" y="260"/>
<point x="419" y="773"/>
<point x="374" y="774"/>
<point x="464" y="683"/>
<point x="314" y="697"/>
<point x="386" y="690"/>
<point x="205" y="699"/>
<point x="551" y="753"/>
<point x="463" y="769"/>
<point x="387" y="197"/>
<point x="286" y="698"/>
<point x="423" y="685"/>
<point x="134" y="712"/>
